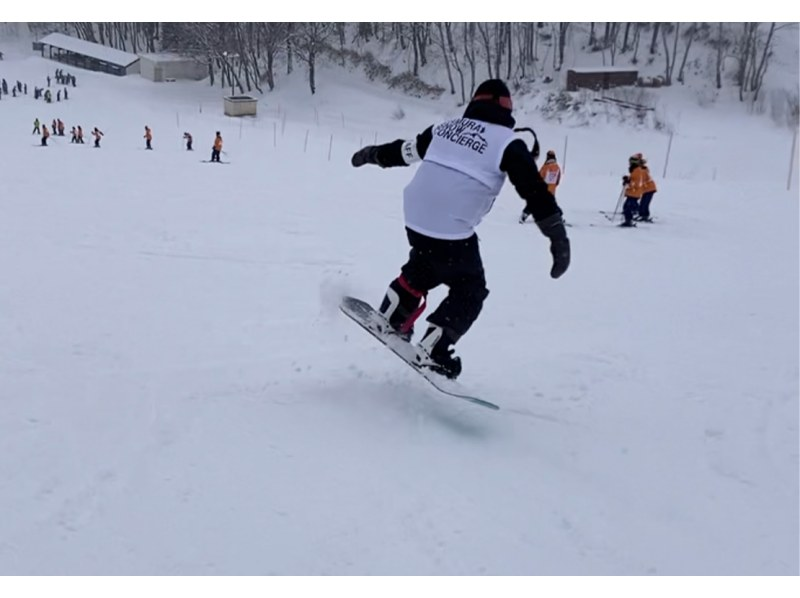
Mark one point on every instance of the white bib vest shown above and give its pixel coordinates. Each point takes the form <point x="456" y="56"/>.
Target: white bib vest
<point x="458" y="180"/>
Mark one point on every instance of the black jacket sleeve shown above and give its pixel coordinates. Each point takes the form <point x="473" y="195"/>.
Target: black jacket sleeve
<point x="402" y="153"/>
<point x="518" y="163"/>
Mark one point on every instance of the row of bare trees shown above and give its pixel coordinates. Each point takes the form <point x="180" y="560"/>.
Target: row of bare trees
<point x="245" y="56"/>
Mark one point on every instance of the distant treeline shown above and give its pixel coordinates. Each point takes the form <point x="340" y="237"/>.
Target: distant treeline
<point x="246" y="55"/>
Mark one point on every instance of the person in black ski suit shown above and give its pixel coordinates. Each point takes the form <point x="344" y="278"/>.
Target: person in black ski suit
<point x="465" y="162"/>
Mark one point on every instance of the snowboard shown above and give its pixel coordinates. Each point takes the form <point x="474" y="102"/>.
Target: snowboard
<point x="363" y="314"/>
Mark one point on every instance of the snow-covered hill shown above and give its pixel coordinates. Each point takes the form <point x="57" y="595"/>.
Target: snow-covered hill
<point x="181" y="396"/>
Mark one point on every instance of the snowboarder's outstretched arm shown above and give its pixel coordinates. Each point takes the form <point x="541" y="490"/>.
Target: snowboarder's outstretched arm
<point x="518" y="163"/>
<point x="397" y="153"/>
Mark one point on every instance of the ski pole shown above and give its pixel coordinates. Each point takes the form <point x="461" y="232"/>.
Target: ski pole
<point x="619" y="201"/>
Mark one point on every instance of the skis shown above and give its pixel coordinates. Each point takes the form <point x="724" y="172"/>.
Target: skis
<point x="611" y="217"/>
<point x="363" y="314"/>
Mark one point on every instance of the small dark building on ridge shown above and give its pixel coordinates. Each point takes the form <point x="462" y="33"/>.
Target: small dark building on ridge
<point x="601" y="77"/>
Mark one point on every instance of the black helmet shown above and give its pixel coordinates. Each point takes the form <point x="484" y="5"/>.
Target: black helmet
<point x="494" y="90"/>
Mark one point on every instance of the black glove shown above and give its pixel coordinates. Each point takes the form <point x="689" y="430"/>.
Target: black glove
<point x="366" y="155"/>
<point x="553" y="228"/>
<point x="626" y="179"/>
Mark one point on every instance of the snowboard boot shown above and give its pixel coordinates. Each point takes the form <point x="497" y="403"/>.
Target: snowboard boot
<point x="401" y="306"/>
<point x="435" y="348"/>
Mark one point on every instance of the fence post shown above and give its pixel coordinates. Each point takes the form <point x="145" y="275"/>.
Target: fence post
<point x="666" y="161"/>
<point x="330" y="148"/>
<point x="791" y="160"/>
<point x="305" y="145"/>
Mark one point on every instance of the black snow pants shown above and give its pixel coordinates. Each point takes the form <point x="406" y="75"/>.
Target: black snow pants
<point x="456" y="264"/>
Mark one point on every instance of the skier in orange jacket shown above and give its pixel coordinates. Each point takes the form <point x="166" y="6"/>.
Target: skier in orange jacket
<point x="148" y="135"/>
<point x="634" y="187"/>
<point x="648" y="190"/>
<point x="551" y="174"/>
<point x="217" y="148"/>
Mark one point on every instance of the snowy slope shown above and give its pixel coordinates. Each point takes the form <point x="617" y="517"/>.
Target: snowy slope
<point x="181" y="396"/>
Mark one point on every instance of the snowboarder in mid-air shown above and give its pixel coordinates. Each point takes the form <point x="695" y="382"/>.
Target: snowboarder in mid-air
<point x="465" y="162"/>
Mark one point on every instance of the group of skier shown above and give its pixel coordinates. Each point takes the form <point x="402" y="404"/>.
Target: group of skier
<point x="19" y="88"/>
<point x="639" y="188"/>
<point x="77" y="136"/>
<point x="58" y="127"/>
<point x="216" y="148"/>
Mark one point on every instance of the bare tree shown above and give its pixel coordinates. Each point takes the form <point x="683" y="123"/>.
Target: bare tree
<point x="340" y="30"/>
<point x="636" y="38"/>
<point x="469" y="52"/>
<point x="722" y="44"/>
<point x="690" y="34"/>
<point x="746" y="53"/>
<point x="522" y="47"/>
<point x="499" y="47"/>
<point x="273" y="36"/>
<point x="757" y="78"/>
<point x="484" y="31"/>
<point x="415" y="47"/>
<point x="290" y="47"/>
<point x="562" y="42"/>
<point x="625" y="47"/>
<point x="419" y="42"/>
<point x="445" y="51"/>
<point x="510" y="50"/>
<point x="309" y="41"/>
<point x="653" y="41"/>
<point x="670" y="59"/>
<point x="612" y="41"/>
